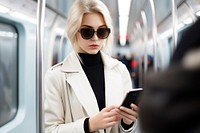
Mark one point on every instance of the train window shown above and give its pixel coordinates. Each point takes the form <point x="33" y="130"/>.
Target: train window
<point x="8" y="73"/>
<point x="64" y="48"/>
<point x="59" y="49"/>
<point x="56" y="50"/>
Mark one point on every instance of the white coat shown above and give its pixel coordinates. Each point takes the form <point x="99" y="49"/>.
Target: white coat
<point x="69" y="98"/>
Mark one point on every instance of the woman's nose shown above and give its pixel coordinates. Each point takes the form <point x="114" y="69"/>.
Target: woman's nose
<point x="95" y="37"/>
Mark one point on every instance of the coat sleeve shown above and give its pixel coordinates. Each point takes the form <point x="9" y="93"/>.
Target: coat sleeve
<point x="54" y="112"/>
<point x="130" y="130"/>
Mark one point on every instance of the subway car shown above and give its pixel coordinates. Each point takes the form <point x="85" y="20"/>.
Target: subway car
<point x="33" y="38"/>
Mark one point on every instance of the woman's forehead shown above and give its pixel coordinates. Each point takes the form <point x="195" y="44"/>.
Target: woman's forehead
<point x="93" y="20"/>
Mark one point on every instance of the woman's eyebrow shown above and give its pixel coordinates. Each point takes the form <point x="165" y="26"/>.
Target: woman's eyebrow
<point x="86" y="26"/>
<point x="93" y="27"/>
<point x="103" y="26"/>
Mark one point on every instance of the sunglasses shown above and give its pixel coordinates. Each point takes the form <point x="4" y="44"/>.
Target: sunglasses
<point x="88" y="33"/>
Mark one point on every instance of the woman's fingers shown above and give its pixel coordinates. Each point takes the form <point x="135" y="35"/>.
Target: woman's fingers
<point x="129" y="115"/>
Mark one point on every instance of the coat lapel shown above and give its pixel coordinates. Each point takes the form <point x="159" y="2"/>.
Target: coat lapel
<point x="80" y="84"/>
<point x="113" y="81"/>
<point x="114" y="90"/>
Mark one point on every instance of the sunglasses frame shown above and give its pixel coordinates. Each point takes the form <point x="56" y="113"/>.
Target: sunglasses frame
<point x="97" y="33"/>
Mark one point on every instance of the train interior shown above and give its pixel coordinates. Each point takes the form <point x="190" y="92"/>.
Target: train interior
<point x="147" y="39"/>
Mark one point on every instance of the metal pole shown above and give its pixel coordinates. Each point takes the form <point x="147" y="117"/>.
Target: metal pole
<point x="174" y="21"/>
<point x="39" y="65"/>
<point x="139" y="29"/>
<point x="154" y="33"/>
<point x="144" y="19"/>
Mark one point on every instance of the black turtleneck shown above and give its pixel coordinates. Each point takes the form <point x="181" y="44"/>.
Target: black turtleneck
<point x="94" y="70"/>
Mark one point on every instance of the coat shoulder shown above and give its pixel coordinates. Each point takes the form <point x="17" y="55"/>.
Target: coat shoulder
<point x="56" y="66"/>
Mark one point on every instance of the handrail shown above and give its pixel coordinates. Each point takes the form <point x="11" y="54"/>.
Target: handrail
<point x="174" y="21"/>
<point x="139" y="29"/>
<point x="154" y="33"/>
<point x="144" y="19"/>
<point x="39" y="65"/>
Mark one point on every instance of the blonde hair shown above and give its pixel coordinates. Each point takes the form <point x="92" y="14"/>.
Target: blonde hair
<point x="74" y="20"/>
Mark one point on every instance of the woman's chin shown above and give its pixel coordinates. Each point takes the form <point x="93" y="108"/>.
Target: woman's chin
<point x="93" y="51"/>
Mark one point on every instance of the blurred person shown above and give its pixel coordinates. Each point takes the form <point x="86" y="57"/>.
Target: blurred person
<point x="84" y="92"/>
<point x="149" y="62"/>
<point x="170" y="101"/>
<point x="135" y="71"/>
<point x="127" y="61"/>
<point x="189" y="41"/>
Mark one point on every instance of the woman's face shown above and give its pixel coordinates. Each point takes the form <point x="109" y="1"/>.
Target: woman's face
<point x="94" y="44"/>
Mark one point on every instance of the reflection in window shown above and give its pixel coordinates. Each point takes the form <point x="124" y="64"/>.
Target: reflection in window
<point x="8" y="73"/>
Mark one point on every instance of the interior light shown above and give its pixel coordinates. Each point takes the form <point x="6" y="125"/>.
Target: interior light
<point x="188" y="21"/>
<point x="4" y="9"/>
<point x="179" y="26"/>
<point x="60" y="31"/>
<point x="124" y="8"/>
<point x="169" y="32"/>
<point x="123" y="24"/>
<point x="198" y="13"/>
<point x="23" y="17"/>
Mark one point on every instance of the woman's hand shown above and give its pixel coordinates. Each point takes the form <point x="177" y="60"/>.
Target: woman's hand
<point x="108" y="117"/>
<point x="129" y="115"/>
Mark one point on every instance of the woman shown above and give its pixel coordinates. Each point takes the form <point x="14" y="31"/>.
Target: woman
<point x="84" y="92"/>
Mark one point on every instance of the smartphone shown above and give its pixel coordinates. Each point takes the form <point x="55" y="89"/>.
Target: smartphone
<point x="132" y="97"/>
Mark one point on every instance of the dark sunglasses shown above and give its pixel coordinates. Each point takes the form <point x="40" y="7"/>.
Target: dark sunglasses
<point x="88" y="33"/>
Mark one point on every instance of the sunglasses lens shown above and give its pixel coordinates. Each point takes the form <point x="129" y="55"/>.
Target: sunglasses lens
<point x="103" y="33"/>
<point x="87" y="33"/>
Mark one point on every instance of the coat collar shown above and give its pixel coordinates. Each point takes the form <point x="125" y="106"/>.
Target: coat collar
<point x="72" y="64"/>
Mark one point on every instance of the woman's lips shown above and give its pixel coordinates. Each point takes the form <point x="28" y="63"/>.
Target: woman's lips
<point x="94" y="46"/>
